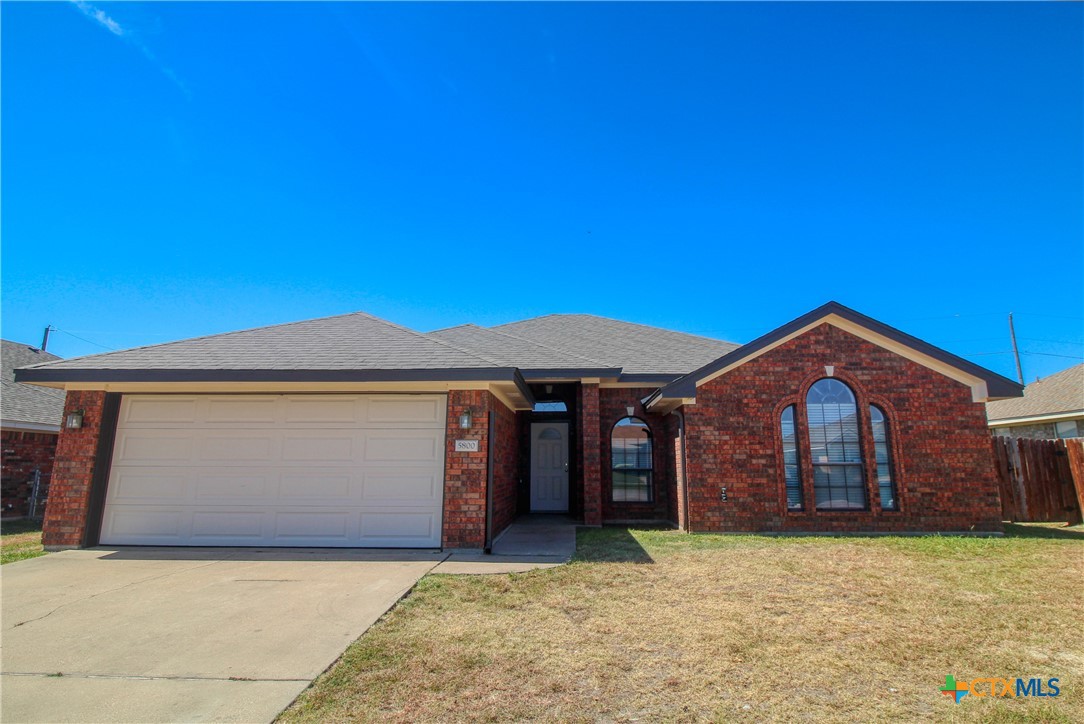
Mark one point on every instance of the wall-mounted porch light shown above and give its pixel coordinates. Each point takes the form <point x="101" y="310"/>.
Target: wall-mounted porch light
<point x="74" y="420"/>
<point x="465" y="419"/>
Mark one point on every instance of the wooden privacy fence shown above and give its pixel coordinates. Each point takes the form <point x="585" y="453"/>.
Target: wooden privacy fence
<point x="1040" y="480"/>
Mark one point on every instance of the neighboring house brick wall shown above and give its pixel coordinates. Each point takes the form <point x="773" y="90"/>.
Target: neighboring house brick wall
<point x="613" y="406"/>
<point x="505" y="480"/>
<point x="22" y="453"/>
<point x="1038" y="431"/>
<point x="69" y="491"/>
<point x="943" y="468"/>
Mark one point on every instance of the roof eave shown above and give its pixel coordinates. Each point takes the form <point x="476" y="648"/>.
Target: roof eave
<point x="468" y="374"/>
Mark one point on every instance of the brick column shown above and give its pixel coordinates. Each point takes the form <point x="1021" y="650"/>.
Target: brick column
<point x="592" y="452"/>
<point x="465" y="472"/>
<point x="73" y="469"/>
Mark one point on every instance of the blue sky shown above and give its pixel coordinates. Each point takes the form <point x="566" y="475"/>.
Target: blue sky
<point x="172" y="170"/>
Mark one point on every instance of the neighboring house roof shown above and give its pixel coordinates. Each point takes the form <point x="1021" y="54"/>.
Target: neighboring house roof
<point x="517" y="352"/>
<point x="636" y="348"/>
<point x="26" y="406"/>
<point x="1059" y="395"/>
<point x="984" y="383"/>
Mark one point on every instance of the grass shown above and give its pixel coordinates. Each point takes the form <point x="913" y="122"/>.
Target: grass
<point x="19" y="540"/>
<point x="660" y="625"/>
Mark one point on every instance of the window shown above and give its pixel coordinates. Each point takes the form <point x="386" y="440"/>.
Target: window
<point x="838" y="479"/>
<point x="630" y="449"/>
<point x="550" y="406"/>
<point x="884" y="458"/>
<point x="790" y="459"/>
<point x="1065" y="428"/>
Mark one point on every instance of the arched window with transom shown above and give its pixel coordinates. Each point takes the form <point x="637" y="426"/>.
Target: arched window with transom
<point x="835" y="449"/>
<point x="632" y="461"/>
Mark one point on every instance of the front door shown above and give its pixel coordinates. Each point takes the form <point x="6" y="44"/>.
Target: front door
<point x="549" y="466"/>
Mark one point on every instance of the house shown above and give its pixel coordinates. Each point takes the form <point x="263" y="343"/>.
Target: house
<point x="29" y="426"/>
<point x="1050" y="408"/>
<point x="353" y="431"/>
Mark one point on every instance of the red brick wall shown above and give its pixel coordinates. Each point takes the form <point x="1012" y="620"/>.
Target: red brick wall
<point x="465" y="472"/>
<point x="613" y="405"/>
<point x="505" y="480"/>
<point x="22" y="453"/>
<point x="942" y="464"/>
<point x="69" y="492"/>
<point x="590" y="454"/>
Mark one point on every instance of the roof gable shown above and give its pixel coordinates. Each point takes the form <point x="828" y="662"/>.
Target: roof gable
<point x="984" y="384"/>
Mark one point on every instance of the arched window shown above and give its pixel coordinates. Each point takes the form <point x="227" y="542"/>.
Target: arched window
<point x="630" y="450"/>
<point x="885" y="482"/>
<point x="835" y="452"/>
<point x="793" y="471"/>
<point x="550" y="406"/>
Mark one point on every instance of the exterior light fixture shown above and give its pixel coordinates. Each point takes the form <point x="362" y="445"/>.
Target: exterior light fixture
<point x="465" y="419"/>
<point x="74" y="420"/>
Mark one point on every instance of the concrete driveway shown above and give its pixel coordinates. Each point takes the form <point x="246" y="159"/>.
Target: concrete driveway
<point x="168" y="634"/>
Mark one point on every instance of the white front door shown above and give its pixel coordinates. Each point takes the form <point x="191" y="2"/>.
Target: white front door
<point x="549" y="466"/>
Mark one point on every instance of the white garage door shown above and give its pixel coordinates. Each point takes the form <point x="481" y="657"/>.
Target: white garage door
<point x="277" y="470"/>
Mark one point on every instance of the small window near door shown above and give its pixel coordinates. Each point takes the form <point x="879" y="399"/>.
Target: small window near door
<point x="550" y="406"/>
<point x="631" y="452"/>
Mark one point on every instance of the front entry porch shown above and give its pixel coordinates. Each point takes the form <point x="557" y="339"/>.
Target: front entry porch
<point x="538" y="534"/>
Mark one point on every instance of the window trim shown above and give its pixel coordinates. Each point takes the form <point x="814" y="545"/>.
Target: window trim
<point x="649" y="470"/>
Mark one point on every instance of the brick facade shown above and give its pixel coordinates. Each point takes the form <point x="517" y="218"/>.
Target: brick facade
<point x="465" y="472"/>
<point x="69" y="492"/>
<point x="613" y="406"/>
<point x="21" y="454"/>
<point x="505" y="480"/>
<point x="943" y="468"/>
<point x="590" y="454"/>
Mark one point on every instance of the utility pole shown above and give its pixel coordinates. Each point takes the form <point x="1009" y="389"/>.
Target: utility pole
<point x="45" y="340"/>
<point x="1015" y="351"/>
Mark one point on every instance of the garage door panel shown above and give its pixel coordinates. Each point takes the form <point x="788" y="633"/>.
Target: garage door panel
<point x="410" y="446"/>
<point x="395" y="527"/>
<point x="173" y="410"/>
<point x="277" y="470"/>
<point x="234" y="525"/>
<point x="391" y="409"/>
<point x="155" y="447"/>
<point x="157" y="526"/>
<point x="225" y="487"/>
<point x="389" y="486"/>
<point x="240" y="409"/>
<point x="138" y="485"/>
<point x="321" y="447"/>
<point x="323" y="410"/>
<point x="314" y="485"/>
<point x="326" y="525"/>
<point x="236" y="448"/>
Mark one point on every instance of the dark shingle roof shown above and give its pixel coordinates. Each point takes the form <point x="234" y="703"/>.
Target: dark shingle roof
<point x="1061" y="392"/>
<point x="355" y="341"/>
<point x="511" y="350"/>
<point x="636" y="348"/>
<point x="26" y="403"/>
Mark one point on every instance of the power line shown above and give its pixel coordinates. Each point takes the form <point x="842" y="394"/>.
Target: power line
<point x="1050" y="354"/>
<point x="111" y="349"/>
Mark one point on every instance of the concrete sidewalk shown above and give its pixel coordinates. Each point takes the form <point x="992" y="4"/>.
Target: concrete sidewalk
<point x="171" y="634"/>
<point x="531" y="542"/>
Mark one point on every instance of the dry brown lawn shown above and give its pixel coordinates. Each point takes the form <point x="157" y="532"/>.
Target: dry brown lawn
<point x="663" y="626"/>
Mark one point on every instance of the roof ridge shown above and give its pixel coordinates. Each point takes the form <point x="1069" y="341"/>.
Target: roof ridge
<point x="621" y="321"/>
<point x="546" y="346"/>
<point x="440" y="341"/>
<point x="454" y="326"/>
